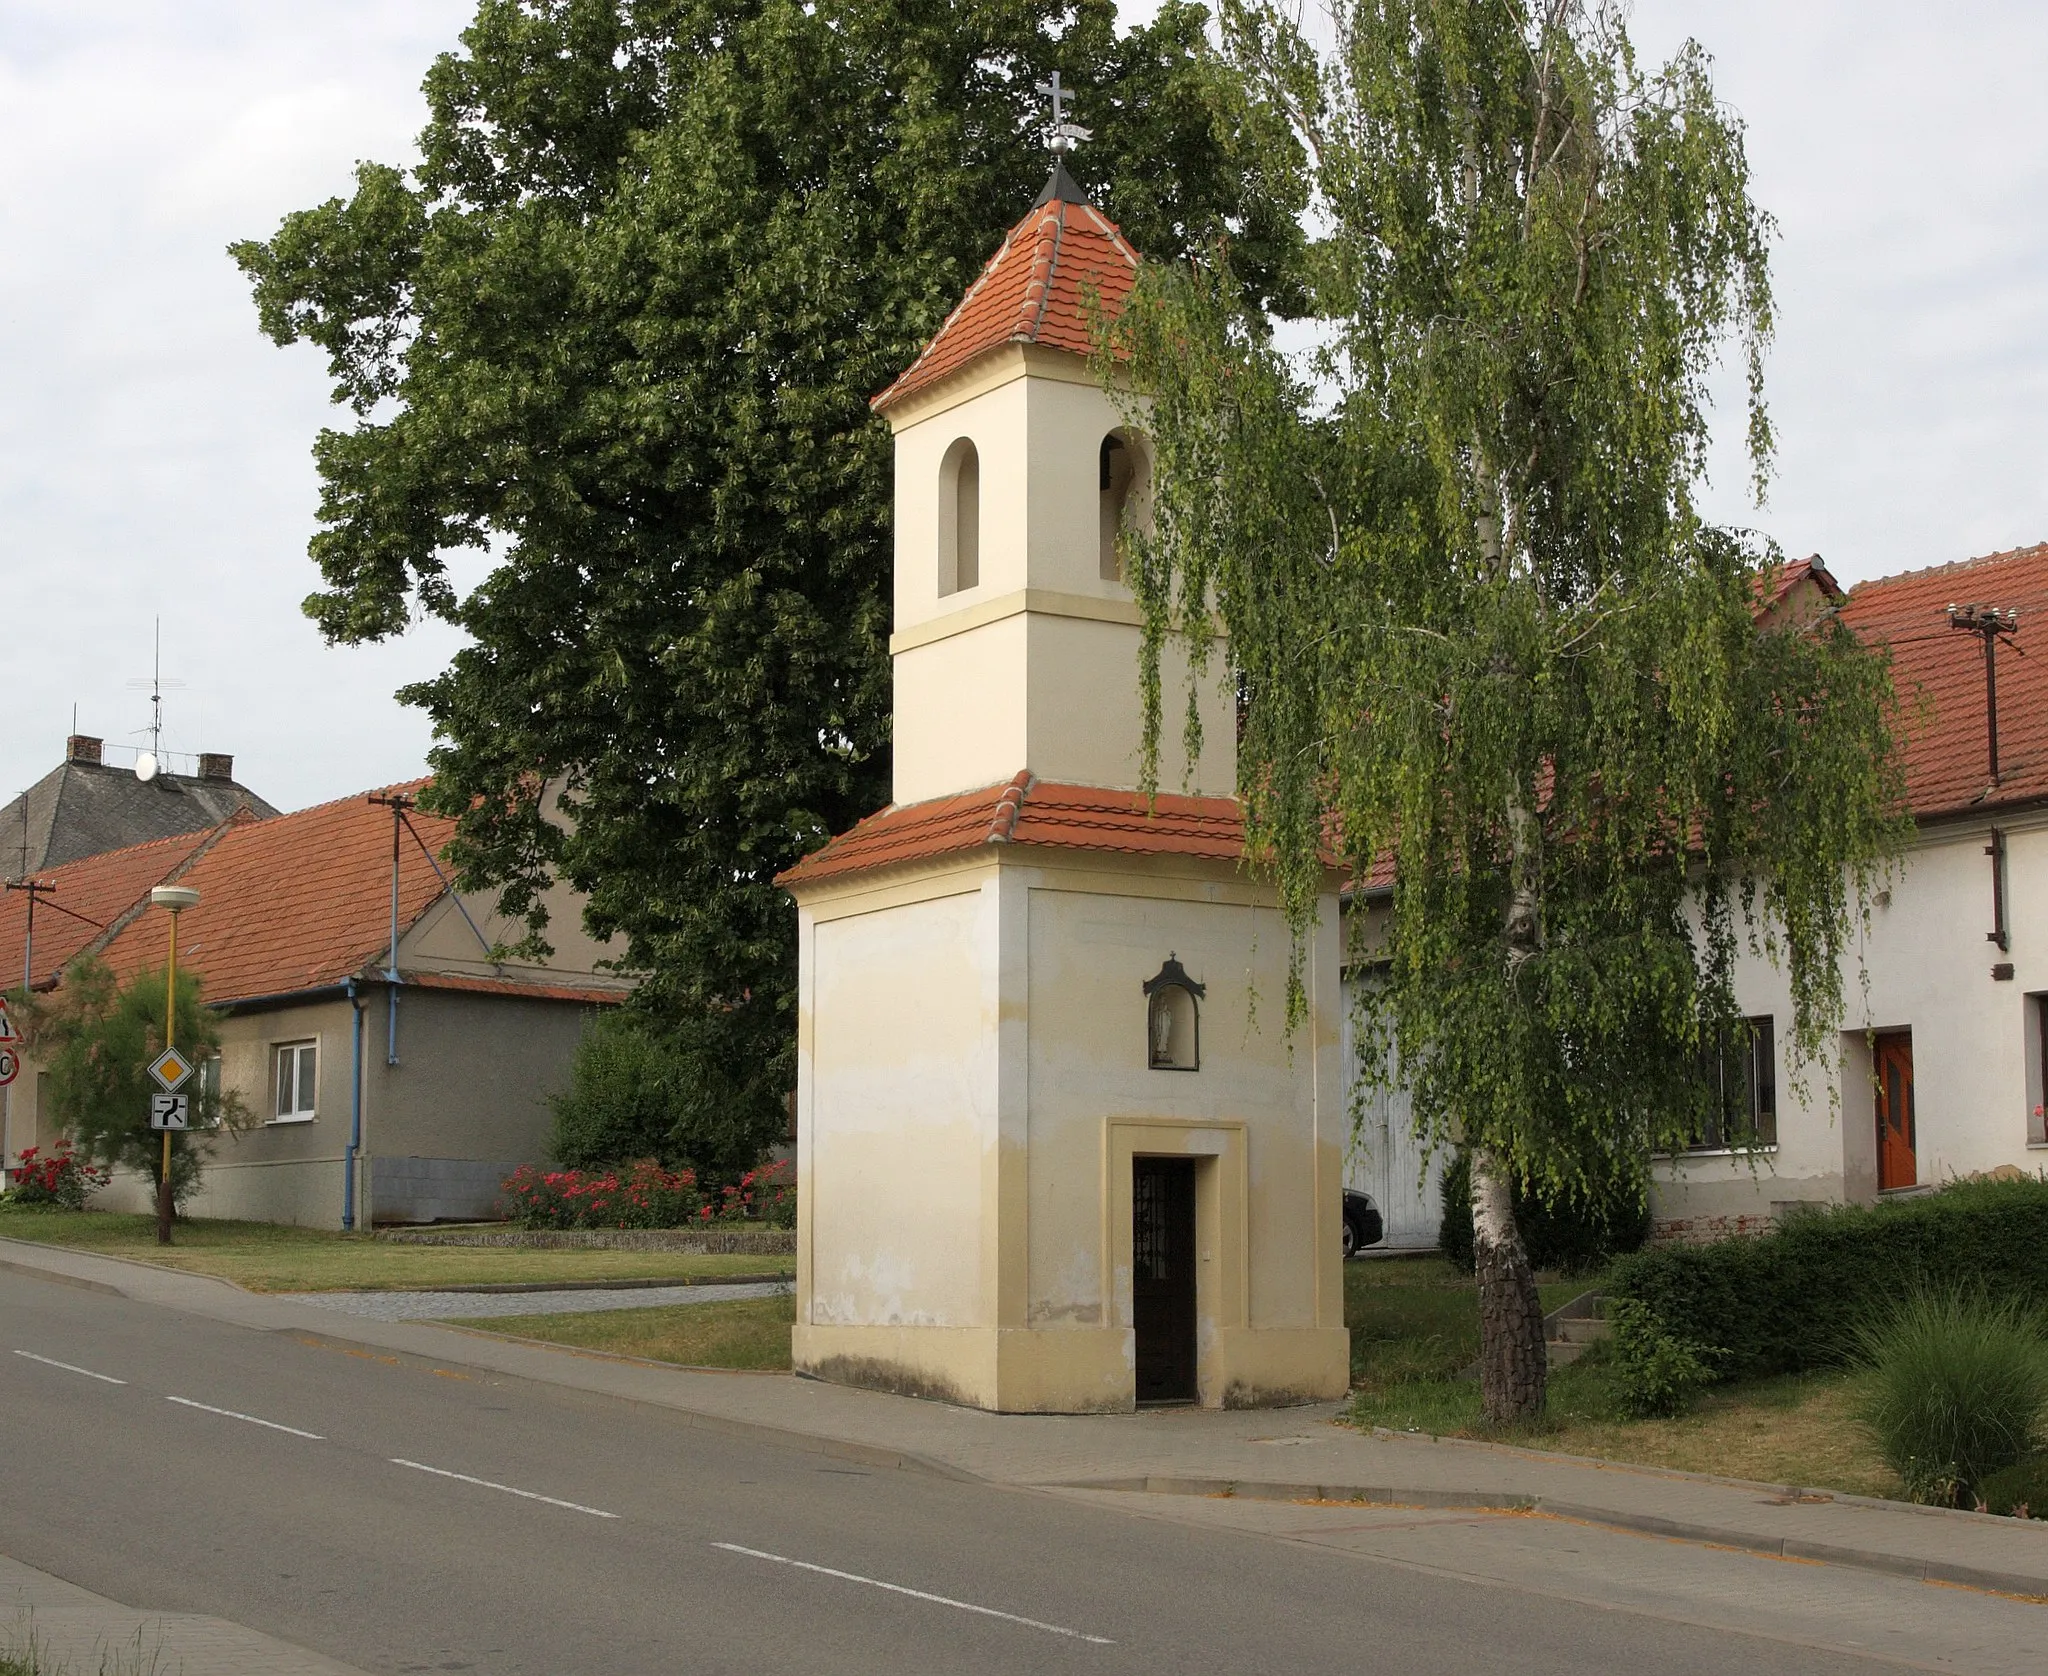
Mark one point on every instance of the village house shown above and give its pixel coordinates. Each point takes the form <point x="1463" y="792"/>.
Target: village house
<point x="382" y="1090"/>
<point x="1938" y="1069"/>
<point x="87" y="806"/>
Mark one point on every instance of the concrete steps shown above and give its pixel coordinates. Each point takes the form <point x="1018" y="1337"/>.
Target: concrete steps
<point x="1573" y="1328"/>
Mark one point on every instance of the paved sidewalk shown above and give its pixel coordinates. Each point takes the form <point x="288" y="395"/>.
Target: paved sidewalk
<point x="79" y="1633"/>
<point x="1283" y="1454"/>
<point x="480" y="1306"/>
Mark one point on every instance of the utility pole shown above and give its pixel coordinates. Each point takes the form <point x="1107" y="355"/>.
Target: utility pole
<point x="398" y="803"/>
<point x="1990" y="625"/>
<point x="35" y="888"/>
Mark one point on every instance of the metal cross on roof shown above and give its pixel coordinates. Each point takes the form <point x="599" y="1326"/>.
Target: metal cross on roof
<point x="1061" y="136"/>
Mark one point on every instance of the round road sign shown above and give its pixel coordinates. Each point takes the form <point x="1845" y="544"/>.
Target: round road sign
<point x="10" y="1066"/>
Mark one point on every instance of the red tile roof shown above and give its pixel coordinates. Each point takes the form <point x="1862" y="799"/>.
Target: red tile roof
<point x="1030" y="812"/>
<point x="586" y="993"/>
<point x="1946" y="767"/>
<point x="1775" y="589"/>
<point x="296" y="902"/>
<point x="91" y="896"/>
<point x="1036" y="289"/>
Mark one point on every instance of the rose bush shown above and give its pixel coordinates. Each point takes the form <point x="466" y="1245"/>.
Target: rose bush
<point x="645" y="1195"/>
<point x="62" y="1178"/>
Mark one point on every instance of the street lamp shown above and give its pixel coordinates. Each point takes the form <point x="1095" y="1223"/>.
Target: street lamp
<point x="175" y="898"/>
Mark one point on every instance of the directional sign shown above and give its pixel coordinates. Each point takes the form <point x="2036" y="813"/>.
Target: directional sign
<point x="170" y="1068"/>
<point x="10" y="1066"/>
<point x="170" y="1111"/>
<point x="8" y="1034"/>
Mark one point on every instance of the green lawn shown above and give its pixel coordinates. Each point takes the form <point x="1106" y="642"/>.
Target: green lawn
<point x="1415" y="1327"/>
<point x="268" y="1257"/>
<point x="740" y="1333"/>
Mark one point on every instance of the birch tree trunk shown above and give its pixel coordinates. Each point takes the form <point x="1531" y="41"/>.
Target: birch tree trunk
<point x="1513" y="1369"/>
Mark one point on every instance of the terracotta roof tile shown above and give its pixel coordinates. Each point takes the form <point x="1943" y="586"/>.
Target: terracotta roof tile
<point x="1025" y="811"/>
<point x="589" y="994"/>
<point x="296" y="902"/>
<point x="1947" y="770"/>
<point x="90" y="898"/>
<point x="1035" y="289"/>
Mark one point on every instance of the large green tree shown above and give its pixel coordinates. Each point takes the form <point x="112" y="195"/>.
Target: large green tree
<point x="1481" y="630"/>
<point x="618" y="330"/>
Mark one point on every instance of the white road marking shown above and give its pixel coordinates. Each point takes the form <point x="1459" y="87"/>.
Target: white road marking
<point x="187" y="1402"/>
<point x="485" y="1483"/>
<point x="48" y="1362"/>
<point x="918" y="1594"/>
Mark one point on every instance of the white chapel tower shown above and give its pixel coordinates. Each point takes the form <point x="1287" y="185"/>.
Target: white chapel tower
<point x="1056" y="1152"/>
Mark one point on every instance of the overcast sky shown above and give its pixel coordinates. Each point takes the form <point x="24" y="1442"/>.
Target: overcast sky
<point x="154" y="449"/>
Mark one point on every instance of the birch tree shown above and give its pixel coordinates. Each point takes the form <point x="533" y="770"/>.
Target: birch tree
<point x="1484" y="639"/>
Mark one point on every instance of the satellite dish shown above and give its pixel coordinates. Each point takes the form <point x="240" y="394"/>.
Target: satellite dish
<point x="145" y="767"/>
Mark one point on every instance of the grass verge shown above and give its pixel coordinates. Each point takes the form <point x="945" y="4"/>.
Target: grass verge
<point x="269" y="1257"/>
<point x="1415" y="1327"/>
<point x="751" y="1333"/>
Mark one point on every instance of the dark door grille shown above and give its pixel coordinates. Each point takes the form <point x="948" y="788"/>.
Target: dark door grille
<point x="1163" y="1263"/>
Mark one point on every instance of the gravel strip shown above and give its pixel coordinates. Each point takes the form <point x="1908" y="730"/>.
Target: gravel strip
<point x="449" y="1306"/>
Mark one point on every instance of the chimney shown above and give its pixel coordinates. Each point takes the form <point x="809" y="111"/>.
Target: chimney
<point x="215" y="766"/>
<point x="82" y="747"/>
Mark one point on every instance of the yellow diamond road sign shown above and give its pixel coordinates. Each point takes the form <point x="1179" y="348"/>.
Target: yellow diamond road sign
<point x="170" y="1068"/>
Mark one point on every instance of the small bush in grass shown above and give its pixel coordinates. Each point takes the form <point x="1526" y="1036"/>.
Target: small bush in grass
<point x="2020" y="1490"/>
<point x="1956" y="1390"/>
<point x="61" y="1179"/>
<point x="1656" y="1371"/>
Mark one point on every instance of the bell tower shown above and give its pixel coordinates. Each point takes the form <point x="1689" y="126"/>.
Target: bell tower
<point x="1016" y="638"/>
<point x="1053" y="1154"/>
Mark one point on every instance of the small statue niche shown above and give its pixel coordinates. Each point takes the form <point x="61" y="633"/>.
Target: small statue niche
<point x="1173" y="1019"/>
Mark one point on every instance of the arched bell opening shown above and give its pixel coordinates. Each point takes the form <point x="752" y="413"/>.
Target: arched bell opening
<point x="1124" y="491"/>
<point x="959" y="518"/>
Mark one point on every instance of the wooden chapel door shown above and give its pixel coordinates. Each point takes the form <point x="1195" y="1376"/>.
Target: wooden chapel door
<point x="1898" y="1164"/>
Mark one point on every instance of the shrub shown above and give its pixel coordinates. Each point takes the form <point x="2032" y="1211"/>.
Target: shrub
<point x="2020" y="1490"/>
<point x="764" y="1195"/>
<point x="62" y="1178"/>
<point x="1656" y="1373"/>
<point x="1955" y="1390"/>
<point x="641" y="1087"/>
<point x="643" y="1196"/>
<point x="1565" y="1233"/>
<point x="1794" y="1299"/>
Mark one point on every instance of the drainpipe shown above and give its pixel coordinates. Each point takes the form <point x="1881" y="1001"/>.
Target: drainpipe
<point x="355" y="1111"/>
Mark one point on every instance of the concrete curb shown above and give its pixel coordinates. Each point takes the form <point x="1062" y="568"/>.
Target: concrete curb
<point x="2033" y="1588"/>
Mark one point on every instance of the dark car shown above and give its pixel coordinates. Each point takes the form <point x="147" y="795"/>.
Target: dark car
<point x="1363" y="1225"/>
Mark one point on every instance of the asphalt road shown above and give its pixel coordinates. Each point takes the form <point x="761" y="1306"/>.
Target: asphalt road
<point x="404" y="1517"/>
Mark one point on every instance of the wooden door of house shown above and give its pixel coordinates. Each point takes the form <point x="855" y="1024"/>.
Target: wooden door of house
<point x="1898" y="1163"/>
<point x="1163" y="1277"/>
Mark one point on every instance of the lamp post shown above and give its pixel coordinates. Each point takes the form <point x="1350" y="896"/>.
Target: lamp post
<point x="175" y="898"/>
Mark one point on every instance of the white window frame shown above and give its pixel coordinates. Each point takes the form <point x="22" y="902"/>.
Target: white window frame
<point x="299" y="1048"/>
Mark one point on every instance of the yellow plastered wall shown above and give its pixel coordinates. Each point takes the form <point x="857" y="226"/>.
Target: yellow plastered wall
<point x="1037" y="665"/>
<point x="973" y="1087"/>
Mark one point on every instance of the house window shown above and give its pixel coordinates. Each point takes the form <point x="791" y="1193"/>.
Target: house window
<point x="1742" y="1079"/>
<point x="208" y="1088"/>
<point x="296" y="1082"/>
<point x="959" y="518"/>
<point x="2037" y="1070"/>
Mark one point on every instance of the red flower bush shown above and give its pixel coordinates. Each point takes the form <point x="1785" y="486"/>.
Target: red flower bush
<point x="61" y="1178"/>
<point x="646" y="1196"/>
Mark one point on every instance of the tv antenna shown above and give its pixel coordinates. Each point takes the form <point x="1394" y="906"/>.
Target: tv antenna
<point x="150" y="762"/>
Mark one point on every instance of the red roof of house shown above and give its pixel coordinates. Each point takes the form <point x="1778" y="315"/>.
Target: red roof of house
<point x="1777" y="587"/>
<point x="90" y="898"/>
<point x="1947" y="770"/>
<point x="1028" y="811"/>
<point x="1036" y="289"/>
<point x="295" y="902"/>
